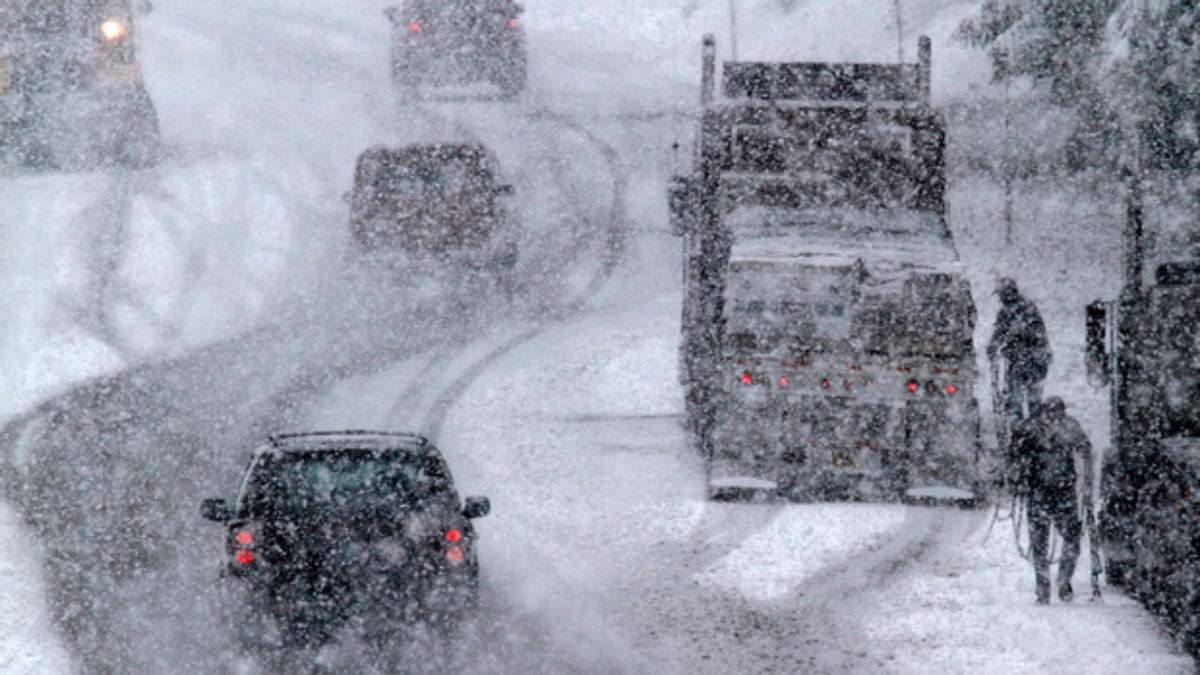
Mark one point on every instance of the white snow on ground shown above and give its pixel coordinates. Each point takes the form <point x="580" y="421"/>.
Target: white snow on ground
<point x="973" y="611"/>
<point x="28" y="645"/>
<point x="801" y="542"/>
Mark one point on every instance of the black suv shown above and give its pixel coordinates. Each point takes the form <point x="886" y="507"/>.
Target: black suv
<point x="71" y="88"/>
<point x="443" y="200"/>
<point x="331" y="528"/>
<point x="438" y="42"/>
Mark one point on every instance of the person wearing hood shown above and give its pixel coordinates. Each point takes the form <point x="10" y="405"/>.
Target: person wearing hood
<point x="1020" y="350"/>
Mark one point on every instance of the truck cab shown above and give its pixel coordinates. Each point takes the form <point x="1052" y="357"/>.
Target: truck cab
<point x="1145" y="348"/>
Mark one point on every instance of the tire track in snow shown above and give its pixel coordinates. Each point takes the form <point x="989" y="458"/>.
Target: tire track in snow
<point x="616" y="229"/>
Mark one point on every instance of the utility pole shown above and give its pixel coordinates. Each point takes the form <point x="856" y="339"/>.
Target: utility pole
<point x="899" y="31"/>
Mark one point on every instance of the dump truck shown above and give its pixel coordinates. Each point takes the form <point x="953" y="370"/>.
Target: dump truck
<point x="827" y="344"/>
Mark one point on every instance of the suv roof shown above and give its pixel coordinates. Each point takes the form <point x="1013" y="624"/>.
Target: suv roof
<point x="358" y="439"/>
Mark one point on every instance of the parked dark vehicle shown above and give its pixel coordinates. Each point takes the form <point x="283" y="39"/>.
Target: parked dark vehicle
<point x="1144" y="346"/>
<point x="439" y="199"/>
<point x="333" y="526"/>
<point x="71" y="88"/>
<point x="441" y="42"/>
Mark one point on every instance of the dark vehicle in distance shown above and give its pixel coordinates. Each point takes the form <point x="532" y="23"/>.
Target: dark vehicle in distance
<point x="435" y="199"/>
<point x="71" y="88"/>
<point x="444" y="42"/>
<point x="329" y="527"/>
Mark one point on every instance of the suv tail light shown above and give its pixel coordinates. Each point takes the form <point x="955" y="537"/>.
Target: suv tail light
<point x="241" y="546"/>
<point x="454" y="552"/>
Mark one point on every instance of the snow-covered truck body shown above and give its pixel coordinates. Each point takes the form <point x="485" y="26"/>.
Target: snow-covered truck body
<point x="71" y="87"/>
<point x="1145" y="347"/>
<point x="827" y="346"/>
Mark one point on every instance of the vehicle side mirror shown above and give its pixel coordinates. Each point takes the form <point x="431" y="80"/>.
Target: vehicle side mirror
<point x="505" y="190"/>
<point x="1097" y="353"/>
<point x="476" y="507"/>
<point x="216" y="510"/>
<point x="679" y="201"/>
<point x="392" y="14"/>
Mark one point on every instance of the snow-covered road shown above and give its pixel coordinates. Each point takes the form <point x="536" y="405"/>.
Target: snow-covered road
<point x="213" y="289"/>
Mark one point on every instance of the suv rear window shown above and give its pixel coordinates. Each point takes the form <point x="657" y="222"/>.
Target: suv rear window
<point x="299" y="482"/>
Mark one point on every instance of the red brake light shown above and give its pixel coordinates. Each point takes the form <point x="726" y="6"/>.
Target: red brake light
<point x="912" y="386"/>
<point x="513" y="23"/>
<point x="747" y="378"/>
<point x="244" y="538"/>
<point x="454" y="554"/>
<point x="785" y="382"/>
<point x="414" y="26"/>
<point x="453" y="536"/>
<point x="951" y="389"/>
<point x="244" y="556"/>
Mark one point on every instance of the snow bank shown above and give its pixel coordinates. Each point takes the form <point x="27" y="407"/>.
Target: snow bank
<point x="29" y="643"/>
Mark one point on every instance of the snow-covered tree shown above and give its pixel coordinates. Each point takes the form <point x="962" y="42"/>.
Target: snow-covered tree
<point x="1119" y="65"/>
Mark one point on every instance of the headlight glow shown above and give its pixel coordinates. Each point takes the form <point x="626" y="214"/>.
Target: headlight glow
<point x="113" y="30"/>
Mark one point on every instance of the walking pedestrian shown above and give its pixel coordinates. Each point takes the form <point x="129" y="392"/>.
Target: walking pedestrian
<point x="1052" y="460"/>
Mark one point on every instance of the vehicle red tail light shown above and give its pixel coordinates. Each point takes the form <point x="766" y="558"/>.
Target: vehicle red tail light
<point x="454" y="555"/>
<point x="414" y="27"/>
<point x="913" y="386"/>
<point x="453" y="536"/>
<point x="951" y="389"/>
<point x="241" y="545"/>
<point x="825" y="384"/>
<point x="784" y="382"/>
<point x="513" y="23"/>
<point x="747" y="378"/>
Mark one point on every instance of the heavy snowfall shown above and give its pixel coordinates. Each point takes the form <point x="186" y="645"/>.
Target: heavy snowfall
<point x="163" y="318"/>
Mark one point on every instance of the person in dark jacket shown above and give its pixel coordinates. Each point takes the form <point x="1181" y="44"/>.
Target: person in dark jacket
<point x="1019" y="338"/>
<point x="1052" y="459"/>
